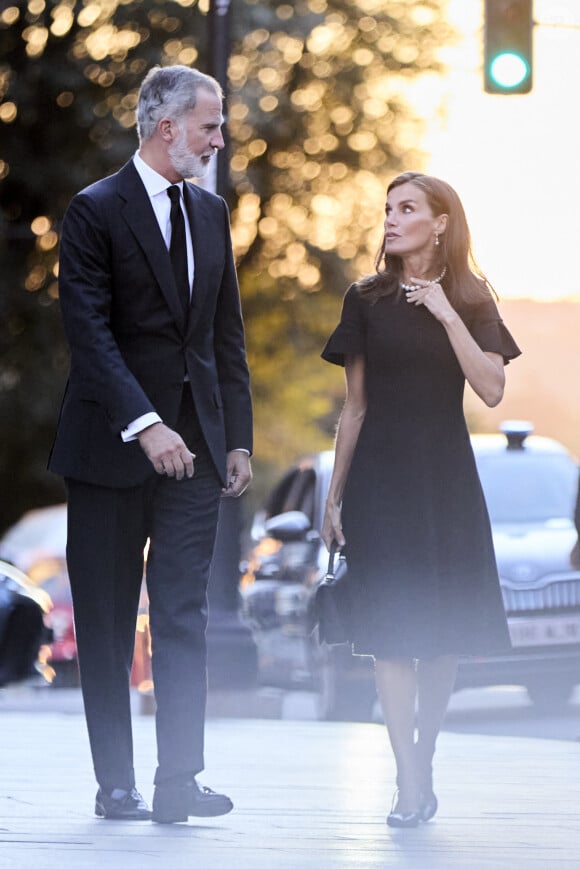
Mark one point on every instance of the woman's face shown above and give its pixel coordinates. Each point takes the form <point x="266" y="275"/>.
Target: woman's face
<point x="410" y="226"/>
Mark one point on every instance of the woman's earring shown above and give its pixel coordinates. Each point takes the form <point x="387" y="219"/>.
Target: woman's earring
<point x="436" y="240"/>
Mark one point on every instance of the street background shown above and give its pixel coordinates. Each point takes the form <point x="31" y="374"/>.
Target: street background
<point x="306" y="794"/>
<point x="326" y="102"/>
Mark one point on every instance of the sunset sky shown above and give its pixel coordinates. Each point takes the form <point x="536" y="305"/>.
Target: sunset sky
<point x="514" y="160"/>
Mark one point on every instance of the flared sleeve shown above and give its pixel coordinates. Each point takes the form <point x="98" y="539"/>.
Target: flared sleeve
<point x="349" y="337"/>
<point x="488" y="330"/>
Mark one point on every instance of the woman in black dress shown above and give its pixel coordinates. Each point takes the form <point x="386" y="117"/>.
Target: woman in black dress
<point x="405" y="497"/>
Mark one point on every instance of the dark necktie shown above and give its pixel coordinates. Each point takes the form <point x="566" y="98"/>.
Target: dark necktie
<point x="178" y="247"/>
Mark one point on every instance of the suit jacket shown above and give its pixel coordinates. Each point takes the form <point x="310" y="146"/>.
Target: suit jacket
<point x="130" y="345"/>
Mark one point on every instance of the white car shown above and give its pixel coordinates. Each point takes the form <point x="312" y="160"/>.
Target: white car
<point x="530" y="484"/>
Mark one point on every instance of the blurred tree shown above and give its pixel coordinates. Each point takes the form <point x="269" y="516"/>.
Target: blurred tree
<point x="69" y="75"/>
<point x="317" y="125"/>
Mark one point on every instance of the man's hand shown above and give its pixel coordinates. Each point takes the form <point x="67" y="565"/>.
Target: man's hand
<point x="238" y="473"/>
<point x="166" y="451"/>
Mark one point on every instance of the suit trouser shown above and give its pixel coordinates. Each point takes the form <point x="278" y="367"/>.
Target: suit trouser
<point x="107" y="532"/>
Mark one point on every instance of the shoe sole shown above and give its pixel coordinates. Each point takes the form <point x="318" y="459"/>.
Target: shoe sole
<point x="164" y="819"/>
<point x="212" y="812"/>
<point x="160" y="818"/>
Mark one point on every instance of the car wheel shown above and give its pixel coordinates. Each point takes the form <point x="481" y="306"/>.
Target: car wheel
<point x="548" y="694"/>
<point x="343" y="693"/>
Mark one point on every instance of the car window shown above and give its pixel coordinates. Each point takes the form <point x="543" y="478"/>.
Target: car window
<point x="295" y="491"/>
<point x="307" y="495"/>
<point x="521" y="486"/>
<point x="279" y="495"/>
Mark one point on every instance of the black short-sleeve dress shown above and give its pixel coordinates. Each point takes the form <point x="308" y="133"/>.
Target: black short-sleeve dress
<point x="417" y="531"/>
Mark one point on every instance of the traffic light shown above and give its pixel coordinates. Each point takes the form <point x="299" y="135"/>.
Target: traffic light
<point x="508" y="49"/>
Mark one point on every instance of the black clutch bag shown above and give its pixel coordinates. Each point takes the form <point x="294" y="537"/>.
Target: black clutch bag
<point x="332" y="603"/>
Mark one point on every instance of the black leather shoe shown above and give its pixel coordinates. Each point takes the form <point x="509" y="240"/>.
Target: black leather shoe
<point x="175" y="802"/>
<point x="121" y="805"/>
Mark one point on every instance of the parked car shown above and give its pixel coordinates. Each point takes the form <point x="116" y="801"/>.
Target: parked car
<point x="530" y="485"/>
<point x="37" y="543"/>
<point x="24" y="634"/>
<point x="51" y="575"/>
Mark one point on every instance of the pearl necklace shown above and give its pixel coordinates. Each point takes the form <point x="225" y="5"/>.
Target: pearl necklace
<point x="409" y="288"/>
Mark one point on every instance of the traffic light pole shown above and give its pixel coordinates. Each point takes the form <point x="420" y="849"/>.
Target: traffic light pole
<point x="219" y="40"/>
<point x="232" y="653"/>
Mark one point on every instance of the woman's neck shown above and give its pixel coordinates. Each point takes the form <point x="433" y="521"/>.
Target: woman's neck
<point x="418" y="267"/>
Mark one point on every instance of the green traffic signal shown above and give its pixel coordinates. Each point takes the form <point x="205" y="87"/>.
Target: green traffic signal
<point x="509" y="70"/>
<point x="508" y="46"/>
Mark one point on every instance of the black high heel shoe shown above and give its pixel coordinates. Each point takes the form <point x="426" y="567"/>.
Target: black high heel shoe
<point x="402" y="820"/>
<point x="428" y="803"/>
<point x="428" y="806"/>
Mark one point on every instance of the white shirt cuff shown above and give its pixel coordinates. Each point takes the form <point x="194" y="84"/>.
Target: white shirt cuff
<point x="142" y="422"/>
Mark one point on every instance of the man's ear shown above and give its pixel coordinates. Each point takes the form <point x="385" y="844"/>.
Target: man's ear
<point x="166" y="129"/>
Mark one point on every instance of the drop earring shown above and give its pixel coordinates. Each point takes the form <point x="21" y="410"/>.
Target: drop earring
<point x="436" y="240"/>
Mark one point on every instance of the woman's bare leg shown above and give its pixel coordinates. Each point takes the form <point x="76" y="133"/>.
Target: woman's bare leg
<point x="396" y="682"/>
<point x="435" y="680"/>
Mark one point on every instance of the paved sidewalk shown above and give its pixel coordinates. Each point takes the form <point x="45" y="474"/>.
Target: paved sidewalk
<point x="307" y="794"/>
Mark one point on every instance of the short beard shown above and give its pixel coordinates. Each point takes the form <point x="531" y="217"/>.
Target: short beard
<point x="186" y="164"/>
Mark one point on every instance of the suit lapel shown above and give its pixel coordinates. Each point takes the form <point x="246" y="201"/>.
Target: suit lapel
<point x="140" y="217"/>
<point x="198" y="226"/>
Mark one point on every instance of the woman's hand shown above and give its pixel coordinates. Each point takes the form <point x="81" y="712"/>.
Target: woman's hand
<point x="432" y="296"/>
<point x="332" y="525"/>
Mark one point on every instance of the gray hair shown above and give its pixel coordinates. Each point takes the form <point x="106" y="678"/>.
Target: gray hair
<point x="170" y="92"/>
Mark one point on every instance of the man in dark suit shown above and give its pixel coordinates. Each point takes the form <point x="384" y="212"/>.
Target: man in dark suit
<point x="155" y="425"/>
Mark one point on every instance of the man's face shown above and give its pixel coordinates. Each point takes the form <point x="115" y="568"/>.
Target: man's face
<point x="198" y="136"/>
